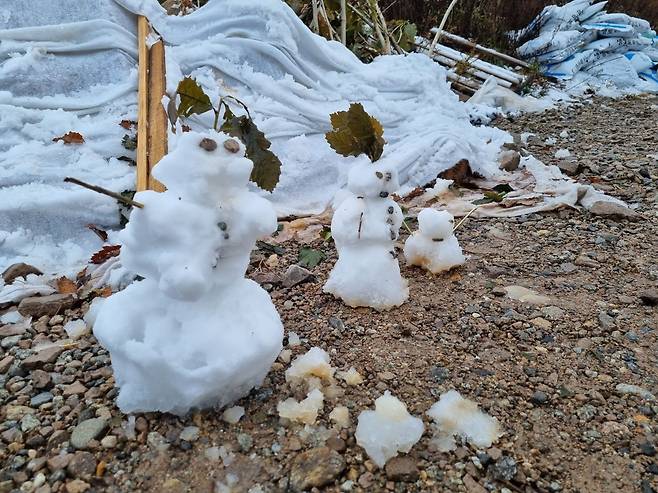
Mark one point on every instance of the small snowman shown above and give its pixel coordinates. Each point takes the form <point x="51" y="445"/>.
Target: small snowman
<point x="434" y="246"/>
<point x="194" y="333"/>
<point x="365" y="227"/>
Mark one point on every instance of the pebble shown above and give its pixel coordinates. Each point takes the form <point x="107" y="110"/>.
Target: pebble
<point x="402" y="469"/>
<point x="40" y="358"/>
<point x="82" y="465"/>
<point x="189" y="434"/>
<point x="40" y="399"/>
<point x="17" y="270"/>
<point x="245" y="441"/>
<point x="38" y="306"/>
<point x="87" y="431"/>
<point x="539" y="398"/>
<point x="505" y="468"/>
<point x="109" y="442"/>
<point x="624" y="388"/>
<point x="295" y="275"/>
<point x="315" y="468"/>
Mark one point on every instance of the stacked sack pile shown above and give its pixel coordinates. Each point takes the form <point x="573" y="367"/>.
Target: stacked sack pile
<point x="582" y="41"/>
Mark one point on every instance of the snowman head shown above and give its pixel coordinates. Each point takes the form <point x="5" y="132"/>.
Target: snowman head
<point x="434" y="224"/>
<point x="370" y="181"/>
<point x="203" y="166"/>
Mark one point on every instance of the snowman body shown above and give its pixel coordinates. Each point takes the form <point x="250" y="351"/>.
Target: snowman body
<point x="365" y="227"/>
<point x="194" y="333"/>
<point x="434" y="246"/>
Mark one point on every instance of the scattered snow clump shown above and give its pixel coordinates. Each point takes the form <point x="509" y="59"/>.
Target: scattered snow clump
<point x="305" y="411"/>
<point x="76" y="328"/>
<point x="341" y="416"/>
<point x="309" y="367"/>
<point x="388" y="429"/>
<point x="563" y="153"/>
<point x="293" y="339"/>
<point x="434" y="246"/>
<point x="455" y="416"/>
<point x="351" y="376"/>
<point x="365" y="226"/>
<point x="194" y="333"/>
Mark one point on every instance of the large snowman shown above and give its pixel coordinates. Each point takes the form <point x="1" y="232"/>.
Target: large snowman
<point x="194" y="332"/>
<point x="365" y="227"/>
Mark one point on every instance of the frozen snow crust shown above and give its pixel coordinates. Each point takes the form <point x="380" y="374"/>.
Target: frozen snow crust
<point x="194" y="333"/>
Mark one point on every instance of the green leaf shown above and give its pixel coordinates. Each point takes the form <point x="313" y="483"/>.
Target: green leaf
<point x="325" y="234"/>
<point x="193" y="101"/>
<point x="309" y="257"/>
<point x="355" y="132"/>
<point x="503" y="189"/>
<point x="267" y="167"/>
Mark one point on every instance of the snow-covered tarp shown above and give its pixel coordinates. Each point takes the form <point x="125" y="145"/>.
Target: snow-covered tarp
<point x="582" y="43"/>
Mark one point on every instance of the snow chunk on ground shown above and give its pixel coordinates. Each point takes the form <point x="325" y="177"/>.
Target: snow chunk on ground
<point x="351" y="376"/>
<point x="305" y="411"/>
<point x="340" y="416"/>
<point x="563" y="153"/>
<point x="313" y="364"/>
<point x="455" y="416"/>
<point x="233" y="414"/>
<point x="388" y="429"/>
<point x="76" y="328"/>
<point x="293" y="339"/>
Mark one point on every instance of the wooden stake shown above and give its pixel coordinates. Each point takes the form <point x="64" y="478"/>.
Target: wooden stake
<point x="157" y="117"/>
<point x="142" y="102"/>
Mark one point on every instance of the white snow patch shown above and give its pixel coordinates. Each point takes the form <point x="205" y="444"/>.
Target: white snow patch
<point x="388" y="429"/>
<point x="293" y="339"/>
<point x="351" y="376"/>
<point x="313" y="364"/>
<point x="455" y="416"/>
<point x="340" y="415"/>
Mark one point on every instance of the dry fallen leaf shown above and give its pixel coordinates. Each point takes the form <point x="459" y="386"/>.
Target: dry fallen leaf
<point x="70" y="138"/>
<point x="105" y="253"/>
<point x="102" y="234"/>
<point x="66" y="286"/>
<point x="127" y="124"/>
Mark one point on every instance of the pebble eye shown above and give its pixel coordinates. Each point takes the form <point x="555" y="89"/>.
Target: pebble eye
<point x="391" y="210"/>
<point x="383" y="194"/>
<point x="379" y="174"/>
<point x="208" y="144"/>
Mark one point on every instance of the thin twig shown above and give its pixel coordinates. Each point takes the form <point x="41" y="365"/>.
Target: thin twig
<point x="374" y="17"/>
<point x="441" y="26"/>
<point x="360" y="224"/>
<point x="343" y="22"/>
<point x="407" y="227"/>
<point x="465" y="218"/>
<point x="316" y="20"/>
<point x="104" y="191"/>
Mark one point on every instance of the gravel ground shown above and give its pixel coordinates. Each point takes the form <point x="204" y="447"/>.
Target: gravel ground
<point x="558" y="375"/>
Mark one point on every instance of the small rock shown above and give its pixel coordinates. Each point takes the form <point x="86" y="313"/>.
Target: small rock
<point x="585" y="261"/>
<point x="40" y="358"/>
<point x="41" y="398"/>
<point x="5" y="363"/>
<point x="402" y="469"/>
<point x="606" y="321"/>
<point x="296" y="275"/>
<point x="473" y="486"/>
<point x="647" y="449"/>
<point x="509" y="161"/>
<point x="38" y="306"/>
<point x="336" y="443"/>
<point x="58" y="462"/>
<point x="624" y="388"/>
<point x="82" y="465"/>
<point x="76" y="388"/>
<point x="189" y="434"/>
<point x="613" y="210"/>
<point x="649" y="297"/>
<point x="87" y="431"/>
<point x="109" y="442"/>
<point x="245" y="441"/>
<point x="315" y="468"/>
<point x="21" y="269"/>
<point x="12" y="330"/>
<point x="505" y="468"/>
<point x="569" y="167"/>
<point x="77" y="486"/>
<point x="29" y="423"/>
<point x="40" y="379"/>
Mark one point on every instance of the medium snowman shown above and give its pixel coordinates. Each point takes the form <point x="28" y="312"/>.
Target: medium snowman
<point x="365" y="227"/>
<point x="434" y="246"/>
<point x="193" y="333"/>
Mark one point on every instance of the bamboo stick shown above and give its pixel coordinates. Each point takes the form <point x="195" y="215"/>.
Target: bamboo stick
<point x="481" y="49"/>
<point x="142" y="102"/>
<point x="157" y="117"/>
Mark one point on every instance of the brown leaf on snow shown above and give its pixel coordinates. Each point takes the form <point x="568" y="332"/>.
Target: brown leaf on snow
<point x="102" y="234"/>
<point x="70" y="138"/>
<point x="105" y="253"/>
<point x="66" y="286"/>
<point x="127" y="124"/>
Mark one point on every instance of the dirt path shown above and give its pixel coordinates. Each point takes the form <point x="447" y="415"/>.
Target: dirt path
<point x="550" y="373"/>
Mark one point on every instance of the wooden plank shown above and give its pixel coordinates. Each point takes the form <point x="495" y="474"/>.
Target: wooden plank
<point x="157" y="117"/>
<point x="479" y="48"/>
<point x="451" y="64"/>
<point x="142" y="103"/>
